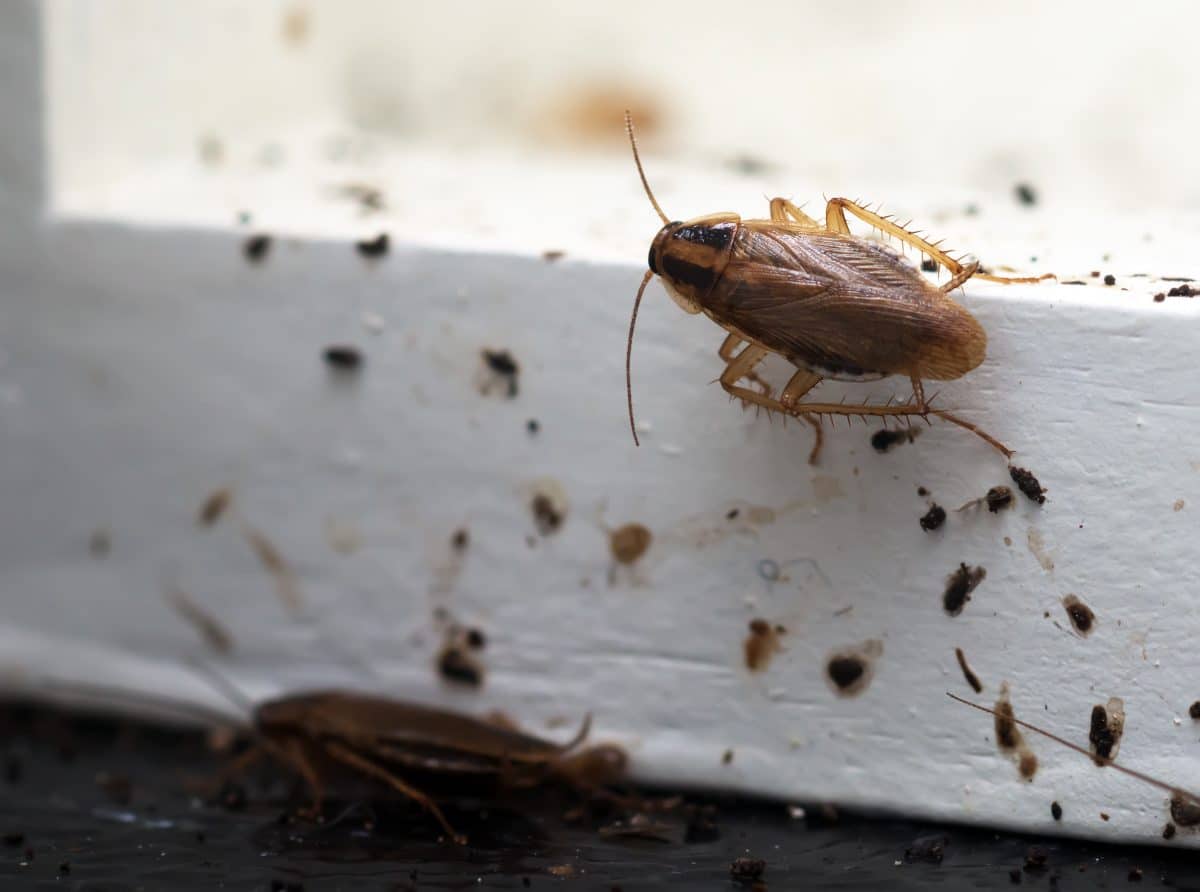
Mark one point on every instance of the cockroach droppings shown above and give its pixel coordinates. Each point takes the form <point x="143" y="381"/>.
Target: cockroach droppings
<point x="761" y="644"/>
<point x="998" y="498"/>
<point x="374" y="247"/>
<point x="883" y="440"/>
<point x="546" y="515"/>
<point x="214" y="506"/>
<point x="1028" y="484"/>
<point x="727" y="757"/>
<point x="458" y="667"/>
<point x="933" y="518"/>
<point x="849" y="671"/>
<point x="1025" y="194"/>
<point x="747" y="870"/>
<point x="256" y="248"/>
<point x="959" y="586"/>
<point x="1056" y="811"/>
<point x="1168" y="831"/>
<point x="343" y="358"/>
<point x="1106" y="727"/>
<point x="1194" y="710"/>
<point x="1008" y="736"/>
<point x="968" y="674"/>
<point x="551" y="256"/>
<point x="629" y="542"/>
<point x="502" y="364"/>
<point x="1080" y="615"/>
<point x="1184" y="813"/>
<point x="1110" y="279"/>
<point x="461" y="539"/>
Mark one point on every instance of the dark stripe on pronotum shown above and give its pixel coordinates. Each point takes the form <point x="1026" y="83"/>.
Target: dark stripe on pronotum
<point x="718" y="236"/>
<point x="686" y="273"/>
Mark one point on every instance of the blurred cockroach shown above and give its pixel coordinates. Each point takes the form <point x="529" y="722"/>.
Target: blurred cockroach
<point x="389" y="742"/>
<point x="834" y="305"/>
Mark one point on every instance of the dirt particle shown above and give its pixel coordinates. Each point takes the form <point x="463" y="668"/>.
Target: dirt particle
<point x="1110" y="279"/>
<point x="343" y="358"/>
<point x="1178" y="506"/>
<point x="1185" y="812"/>
<point x="727" y="757"/>
<point x="629" y="542"/>
<point x="551" y="256"/>
<point x="214" y="506"/>
<point x="933" y="518"/>
<point x="922" y="491"/>
<point x="546" y="515"/>
<point x="1025" y="194"/>
<point x="959" y="586"/>
<point x="563" y="871"/>
<point x="461" y="539"/>
<point x="475" y="639"/>
<point x="1168" y="831"/>
<point x="1035" y="859"/>
<point x="929" y="265"/>
<point x="1080" y="615"/>
<point x="1008" y="735"/>
<point x="1106" y="727"/>
<point x="256" y="248"/>
<point x="1184" y="291"/>
<point x="1008" y="541"/>
<point x="533" y="427"/>
<point x="850" y="670"/>
<point x="747" y="870"/>
<point x="761" y="645"/>
<point x="1027" y="764"/>
<point x="926" y="849"/>
<point x="884" y="440"/>
<point x="1194" y="710"/>
<point x="1103" y="816"/>
<point x="998" y="498"/>
<point x="1028" y="484"/>
<point x="968" y="674"/>
<point x="1074" y="282"/>
<point x="1159" y="298"/>
<point x="1135" y="874"/>
<point x="457" y="666"/>
<point x="373" y="247"/>
<point x="503" y="367"/>
<point x="1056" y="811"/>
<point x="732" y="514"/>
<point x="99" y="543"/>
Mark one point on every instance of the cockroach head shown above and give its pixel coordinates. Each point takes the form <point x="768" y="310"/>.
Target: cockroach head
<point x="657" y="246"/>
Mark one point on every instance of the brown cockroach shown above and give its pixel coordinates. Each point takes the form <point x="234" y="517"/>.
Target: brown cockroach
<point x="832" y="304"/>
<point x="1178" y="794"/>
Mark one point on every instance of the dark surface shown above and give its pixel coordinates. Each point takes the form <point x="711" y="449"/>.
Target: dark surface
<point x="111" y="802"/>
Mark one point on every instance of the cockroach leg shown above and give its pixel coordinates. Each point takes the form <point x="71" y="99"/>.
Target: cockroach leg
<point x="798" y="385"/>
<point x="742" y="366"/>
<point x="975" y="429"/>
<point x="782" y="209"/>
<point x="365" y="765"/>
<point x="835" y="221"/>
<point x="292" y="753"/>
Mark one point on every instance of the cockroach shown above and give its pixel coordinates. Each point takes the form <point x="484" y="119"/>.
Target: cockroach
<point x="832" y="304"/>
<point x="1179" y="796"/>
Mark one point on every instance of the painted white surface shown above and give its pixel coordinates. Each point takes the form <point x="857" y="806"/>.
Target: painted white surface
<point x="144" y="362"/>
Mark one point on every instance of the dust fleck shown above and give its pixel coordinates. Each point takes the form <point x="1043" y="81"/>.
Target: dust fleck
<point x="1081" y="616"/>
<point x="1106" y="727"/>
<point x="1178" y="506"/>
<point x="502" y="368"/>
<point x="727" y="757"/>
<point x="826" y="488"/>
<point x="629" y="542"/>
<point x="761" y="644"/>
<point x="959" y="586"/>
<point x="549" y="507"/>
<point x="214" y="506"/>
<point x="849" y="670"/>
<point x="374" y="247"/>
<point x="1037" y="546"/>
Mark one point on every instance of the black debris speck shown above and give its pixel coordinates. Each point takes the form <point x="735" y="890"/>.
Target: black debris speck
<point x="929" y="265"/>
<point x="1028" y="484"/>
<point x="1110" y="279"/>
<point x="1056" y="811"/>
<point x="256" y="248"/>
<point x="959" y="586"/>
<point x="1025" y="194"/>
<point x="343" y="358"/>
<point x="933" y="518"/>
<point x="884" y="440"/>
<point x="1194" y="710"/>
<point x="373" y="247"/>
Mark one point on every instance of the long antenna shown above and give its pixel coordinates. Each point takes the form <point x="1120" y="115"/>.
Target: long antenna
<point x="641" y="173"/>
<point x="637" y="302"/>
<point x="1102" y="760"/>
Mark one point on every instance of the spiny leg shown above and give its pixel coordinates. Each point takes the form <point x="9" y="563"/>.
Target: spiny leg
<point x="292" y="753"/>
<point x="782" y="209"/>
<point x="366" y="766"/>
<point x="835" y="220"/>
<point x="799" y="384"/>
<point x="728" y="351"/>
<point x="796" y="387"/>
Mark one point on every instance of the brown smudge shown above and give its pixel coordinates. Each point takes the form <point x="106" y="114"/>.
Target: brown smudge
<point x="1009" y="738"/>
<point x="1027" y="764"/>
<point x="761" y="644"/>
<point x="269" y="556"/>
<point x="727" y="757"/>
<point x="553" y="255"/>
<point x="296" y="25"/>
<point x="629" y="542"/>
<point x="1080" y="615"/>
<point x="502" y="368"/>
<point x="970" y="676"/>
<point x="1037" y="547"/>
<point x="1028" y="484"/>
<point x="215" y="635"/>
<point x="214" y="506"/>
<point x="594" y="113"/>
<point x="549" y="507"/>
<point x="959" y="586"/>
<point x="933" y="518"/>
<point x="849" y="670"/>
<point x="1179" y="505"/>
<point x="1106" y="727"/>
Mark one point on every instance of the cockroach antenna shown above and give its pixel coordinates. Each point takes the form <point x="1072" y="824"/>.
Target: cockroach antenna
<point x="637" y="302"/>
<point x="224" y="686"/>
<point x="1176" y="792"/>
<point x="641" y="173"/>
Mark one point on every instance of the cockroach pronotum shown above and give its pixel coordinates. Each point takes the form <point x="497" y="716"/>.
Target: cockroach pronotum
<point x="832" y="304"/>
<point x="389" y="742"/>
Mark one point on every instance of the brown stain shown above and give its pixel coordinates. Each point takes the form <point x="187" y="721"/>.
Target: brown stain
<point x="849" y="670"/>
<point x="548" y="505"/>
<point x="1037" y="547"/>
<point x="1178" y="506"/>
<point x="1082" y="618"/>
<point x="968" y="674"/>
<point x="1168" y="831"/>
<point x="1106" y="726"/>
<point x="1009" y="738"/>
<point x="761" y="644"/>
<point x="214" y="506"/>
<point x="272" y="561"/>
<point x="826" y="488"/>
<point x="594" y="114"/>
<point x="553" y="255"/>
<point x="959" y="586"/>
<point x="629" y="542"/>
<point x="211" y="630"/>
<point x="297" y="25"/>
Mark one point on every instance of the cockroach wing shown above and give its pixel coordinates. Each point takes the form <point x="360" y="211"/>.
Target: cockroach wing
<point x="842" y="306"/>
